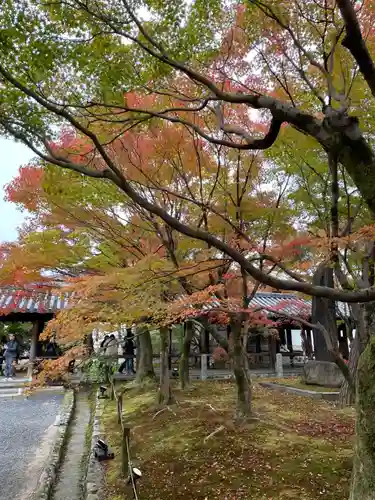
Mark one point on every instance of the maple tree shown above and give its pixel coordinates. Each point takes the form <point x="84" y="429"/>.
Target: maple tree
<point x="78" y="218"/>
<point x="303" y="63"/>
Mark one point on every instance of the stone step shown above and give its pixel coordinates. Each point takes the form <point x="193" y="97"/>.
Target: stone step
<point x="15" y="383"/>
<point x="11" y="392"/>
<point x="5" y="390"/>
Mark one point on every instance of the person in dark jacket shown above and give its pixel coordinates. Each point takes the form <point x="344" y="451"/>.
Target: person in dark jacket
<point x="128" y="352"/>
<point x="104" y="343"/>
<point x="11" y="355"/>
<point x="52" y="349"/>
<point x="2" y="350"/>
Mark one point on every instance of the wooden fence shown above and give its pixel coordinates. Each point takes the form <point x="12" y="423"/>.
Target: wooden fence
<point x="202" y="361"/>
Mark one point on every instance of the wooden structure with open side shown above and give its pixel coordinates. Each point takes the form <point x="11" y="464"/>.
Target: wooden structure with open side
<point x="31" y="305"/>
<point x="262" y="350"/>
<point x="38" y="306"/>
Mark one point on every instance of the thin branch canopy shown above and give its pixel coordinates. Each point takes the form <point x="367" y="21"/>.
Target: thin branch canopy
<point x="337" y="128"/>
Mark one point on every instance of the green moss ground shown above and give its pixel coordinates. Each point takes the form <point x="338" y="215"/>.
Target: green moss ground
<point x="297" y="448"/>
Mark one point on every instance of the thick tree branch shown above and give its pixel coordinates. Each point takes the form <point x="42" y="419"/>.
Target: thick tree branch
<point x="52" y="158"/>
<point x="355" y="43"/>
<point x="264" y="143"/>
<point x="281" y="111"/>
<point x="63" y="113"/>
<point x="257" y="274"/>
<point x="219" y="338"/>
<point x="251" y="143"/>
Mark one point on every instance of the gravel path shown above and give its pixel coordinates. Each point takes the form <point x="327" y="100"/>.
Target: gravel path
<point x="24" y="441"/>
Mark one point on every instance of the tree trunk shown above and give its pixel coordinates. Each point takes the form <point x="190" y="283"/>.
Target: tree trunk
<point x="165" y="396"/>
<point x="241" y="374"/>
<point x="184" y="360"/>
<point x="363" y="323"/>
<point x="89" y="342"/>
<point x="145" y="367"/>
<point x="346" y="394"/>
<point x="138" y="351"/>
<point x="245" y="339"/>
<point x="323" y="277"/>
<point x="363" y="477"/>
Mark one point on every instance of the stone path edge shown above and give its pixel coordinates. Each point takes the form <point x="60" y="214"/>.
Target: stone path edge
<point x="95" y="473"/>
<point x="327" y="396"/>
<point x="48" y="476"/>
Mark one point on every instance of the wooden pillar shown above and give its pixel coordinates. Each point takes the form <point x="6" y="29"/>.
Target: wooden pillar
<point x="281" y="339"/>
<point x="35" y="331"/>
<point x="282" y="335"/>
<point x="258" y="348"/>
<point x="206" y="341"/>
<point x="272" y="351"/>
<point x="309" y="346"/>
<point x="289" y="343"/>
<point x="34" y="340"/>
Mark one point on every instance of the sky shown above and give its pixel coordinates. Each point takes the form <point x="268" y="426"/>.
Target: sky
<point x="12" y="156"/>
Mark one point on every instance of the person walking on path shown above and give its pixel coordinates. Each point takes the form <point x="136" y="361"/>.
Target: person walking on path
<point x="11" y="355"/>
<point x="128" y="352"/>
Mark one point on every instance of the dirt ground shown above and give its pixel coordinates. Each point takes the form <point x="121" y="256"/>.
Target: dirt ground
<point x="294" y="448"/>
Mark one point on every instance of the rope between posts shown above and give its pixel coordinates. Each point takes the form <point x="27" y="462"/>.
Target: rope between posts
<point x="127" y="442"/>
<point x="131" y="470"/>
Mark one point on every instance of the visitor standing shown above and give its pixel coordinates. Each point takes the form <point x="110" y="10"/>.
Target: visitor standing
<point x="2" y="349"/>
<point x="128" y="353"/>
<point x="11" y="355"/>
<point x="111" y="347"/>
<point x="51" y="349"/>
<point x="104" y="344"/>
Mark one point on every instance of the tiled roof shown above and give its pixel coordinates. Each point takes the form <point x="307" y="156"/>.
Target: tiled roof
<point x="284" y="302"/>
<point x="287" y="303"/>
<point x="37" y="301"/>
<point x="14" y="300"/>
